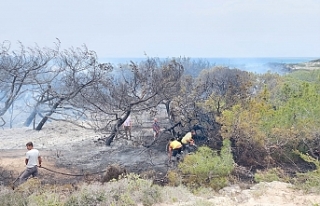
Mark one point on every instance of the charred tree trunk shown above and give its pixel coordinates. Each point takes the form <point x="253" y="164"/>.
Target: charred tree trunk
<point x="44" y="98"/>
<point x="167" y="105"/>
<point x="54" y="107"/>
<point x="115" y="129"/>
<point x="3" y="122"/>
<point x="30" y="118"/>
<point x="45" y="118"/>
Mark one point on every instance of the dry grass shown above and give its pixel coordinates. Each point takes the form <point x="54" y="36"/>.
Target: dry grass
<point x="128" y="190"/>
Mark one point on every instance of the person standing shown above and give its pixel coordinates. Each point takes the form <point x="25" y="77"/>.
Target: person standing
<point x="33" y="159"/>
<point x="127" y="125"/>
<point x="155" y="128"/>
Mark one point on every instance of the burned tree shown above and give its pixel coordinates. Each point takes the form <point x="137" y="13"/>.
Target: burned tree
<point x="131" y="88"/>
<point x="19" y="71"/>
<point x="224" y="87"/>
<point x="42" y="97"/>
<point x="79" y="69"/>
<point x="202" y="99"/>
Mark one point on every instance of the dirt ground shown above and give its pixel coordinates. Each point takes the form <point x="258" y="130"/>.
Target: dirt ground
<point x="71" y="154"/>
<point x="12" y="165"/>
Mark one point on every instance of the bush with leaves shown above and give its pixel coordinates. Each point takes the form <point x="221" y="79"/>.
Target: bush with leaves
<point x="207" y="168"/>
<point x="243" y="126"/>
<point x="309" y="181"/>
<point x="270" y="175"/>
<point x="295" y="123"/>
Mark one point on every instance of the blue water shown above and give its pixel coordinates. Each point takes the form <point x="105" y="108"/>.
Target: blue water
<point x="257" y="65"/>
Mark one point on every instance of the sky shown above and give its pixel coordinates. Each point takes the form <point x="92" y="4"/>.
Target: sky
<point x="167" y="28"/>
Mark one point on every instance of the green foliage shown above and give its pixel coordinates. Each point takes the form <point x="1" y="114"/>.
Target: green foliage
<point x="305" y="75"/>
<point x="244" y="125"/>
<point x="174" y="178"/>
<point x="274" y="174"/>
<point x="300" y="106"/>
<point x="297" y="118"/>
<point x="207" y="168"/>
<point x="309" y="181"/>
<point x="282" y="124"/>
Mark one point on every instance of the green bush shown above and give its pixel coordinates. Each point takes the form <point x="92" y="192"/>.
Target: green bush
<point x="207" y="168"/>
<point x="174" y="178"/>
<point x="309" y="181"/>
<point x="270" y="175"/>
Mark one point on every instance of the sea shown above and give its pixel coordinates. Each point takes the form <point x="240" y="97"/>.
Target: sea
<point x="251" y="64"/>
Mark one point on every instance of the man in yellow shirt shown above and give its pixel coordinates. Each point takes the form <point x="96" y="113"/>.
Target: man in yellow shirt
<point x="174" y="148"/>
<point x="188" y="139"/>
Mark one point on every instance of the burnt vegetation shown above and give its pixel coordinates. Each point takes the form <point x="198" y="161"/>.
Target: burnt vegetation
<point x="265" y="117"/>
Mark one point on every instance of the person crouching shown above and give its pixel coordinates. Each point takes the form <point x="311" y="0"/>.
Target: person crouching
<point x="175" y="148"/>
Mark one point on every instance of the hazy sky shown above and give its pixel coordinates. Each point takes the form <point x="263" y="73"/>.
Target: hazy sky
<point x="168" y="28"/>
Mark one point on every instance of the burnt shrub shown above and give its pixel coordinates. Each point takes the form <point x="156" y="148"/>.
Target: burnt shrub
<point x="113" y="172"/>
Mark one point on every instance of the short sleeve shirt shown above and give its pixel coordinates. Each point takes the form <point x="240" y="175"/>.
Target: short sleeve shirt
<point x="186" y="138"/>
<point x="32" y="156"/>
<point x="175" y="144"/>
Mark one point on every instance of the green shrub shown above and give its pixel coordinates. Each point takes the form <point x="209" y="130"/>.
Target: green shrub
<point x="270" y="175"/>
<point x="174" y="178"/>
<point x="309" y="181"/>
<point x="207" y="168"/>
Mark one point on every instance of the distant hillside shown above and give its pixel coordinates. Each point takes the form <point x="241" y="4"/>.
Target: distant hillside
<point x="310" y="65"/>
<point x="315" y="61"/>
<point x="285" y="67"/>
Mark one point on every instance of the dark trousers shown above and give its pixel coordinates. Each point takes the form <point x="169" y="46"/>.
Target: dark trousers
<point x="176" y="151"/>
<point x="185" y="147"/>
<point x="33" y="171"/>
